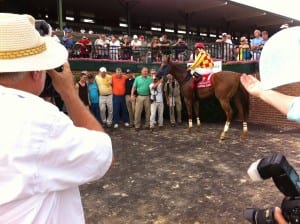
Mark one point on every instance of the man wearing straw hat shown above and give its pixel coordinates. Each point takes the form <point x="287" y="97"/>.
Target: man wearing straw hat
<point x="44" y="154"/>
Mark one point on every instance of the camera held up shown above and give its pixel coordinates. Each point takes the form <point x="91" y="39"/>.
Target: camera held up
<point x="287" y="181"/>
<point x="44" y="29"/>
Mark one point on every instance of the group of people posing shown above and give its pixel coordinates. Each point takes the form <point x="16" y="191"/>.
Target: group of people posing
<point x="122" y="97"/>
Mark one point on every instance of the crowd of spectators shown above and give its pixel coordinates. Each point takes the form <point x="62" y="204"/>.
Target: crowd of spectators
<point x="147" y="49"/>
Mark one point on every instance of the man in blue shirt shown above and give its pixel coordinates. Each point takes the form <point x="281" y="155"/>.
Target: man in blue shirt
<point x="68" y="41"/>
<point x="255" y="44"/>
<point x="94" y="96"/>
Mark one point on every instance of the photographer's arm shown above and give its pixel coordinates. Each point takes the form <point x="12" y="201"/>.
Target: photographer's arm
<point x="278" y="100"/>
<point x="155" y="85"/>
<point x="79" y="114"/>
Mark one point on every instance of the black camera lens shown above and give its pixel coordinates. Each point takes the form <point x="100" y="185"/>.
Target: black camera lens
<point x="260" y="216"/>
<point x="249" y="214"/>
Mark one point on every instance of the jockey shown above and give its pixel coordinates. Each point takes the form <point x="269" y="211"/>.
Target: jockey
<point x="203" y="63"/>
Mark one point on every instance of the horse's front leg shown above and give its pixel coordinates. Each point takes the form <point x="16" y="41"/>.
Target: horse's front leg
<point x="225" y="104"/>
<point x="196" y="109"/>
<point x="225" y="130"/>
<point x="188" y="104"/>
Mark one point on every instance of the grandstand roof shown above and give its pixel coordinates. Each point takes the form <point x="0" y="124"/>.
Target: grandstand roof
<point x="215" y="16"/>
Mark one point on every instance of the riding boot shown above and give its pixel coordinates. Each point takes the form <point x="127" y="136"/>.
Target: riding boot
<point x="198" y="77"/>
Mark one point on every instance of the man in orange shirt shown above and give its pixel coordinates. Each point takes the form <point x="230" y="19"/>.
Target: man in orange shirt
<point x="119" y="103"/>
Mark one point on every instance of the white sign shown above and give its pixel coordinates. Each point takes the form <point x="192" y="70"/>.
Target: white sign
<point x="217" y="66"/>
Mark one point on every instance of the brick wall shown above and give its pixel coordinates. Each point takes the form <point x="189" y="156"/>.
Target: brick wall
<point x="260" y="112"/>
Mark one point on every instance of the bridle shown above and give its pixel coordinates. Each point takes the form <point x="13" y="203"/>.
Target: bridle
<point x="166" y="70"/>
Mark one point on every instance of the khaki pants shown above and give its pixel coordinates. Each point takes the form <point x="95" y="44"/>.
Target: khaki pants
<point x="131" y="109"/>
<point x="159" y="108"/>
<point x="106" y="103"/>
<point x="142" y="102"/>
<point x="175" y="105"/>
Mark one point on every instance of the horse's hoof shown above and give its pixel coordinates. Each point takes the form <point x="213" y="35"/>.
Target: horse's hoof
<point x="222" y="137"/>
<point x="244" y="136"/>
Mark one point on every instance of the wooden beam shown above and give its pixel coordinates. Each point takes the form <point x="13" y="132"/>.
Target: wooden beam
<point x="244" y="16"/>
<point x="201" y="7"/>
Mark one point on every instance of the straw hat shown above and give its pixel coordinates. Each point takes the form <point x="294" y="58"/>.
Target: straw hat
<point x="23" y="49"/>
<point x="244" y="39"/>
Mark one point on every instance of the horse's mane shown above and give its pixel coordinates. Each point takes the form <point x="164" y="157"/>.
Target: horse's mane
<point x="178" y="66"/>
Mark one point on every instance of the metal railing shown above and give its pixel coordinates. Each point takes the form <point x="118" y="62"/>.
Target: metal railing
<point x="220" y="51"/>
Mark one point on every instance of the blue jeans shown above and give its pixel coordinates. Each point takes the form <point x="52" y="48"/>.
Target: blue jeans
<point x="119" y="108"/>
<point x="94" y="108"/>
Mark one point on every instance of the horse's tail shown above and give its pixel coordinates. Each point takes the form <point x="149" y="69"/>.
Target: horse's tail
<point x="244" y="99"/>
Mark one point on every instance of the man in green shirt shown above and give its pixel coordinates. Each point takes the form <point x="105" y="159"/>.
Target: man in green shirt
<point x="141" y="85"/>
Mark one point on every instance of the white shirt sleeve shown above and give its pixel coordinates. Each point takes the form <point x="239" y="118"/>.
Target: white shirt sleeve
<point x="72" y="156"/>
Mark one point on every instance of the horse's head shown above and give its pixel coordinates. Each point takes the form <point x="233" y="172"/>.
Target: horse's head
<point x="177" y="70"/>
<point x="165" y="66"/>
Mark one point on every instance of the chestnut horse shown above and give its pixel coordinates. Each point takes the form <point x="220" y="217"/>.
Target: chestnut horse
<point x="226" y="87"/>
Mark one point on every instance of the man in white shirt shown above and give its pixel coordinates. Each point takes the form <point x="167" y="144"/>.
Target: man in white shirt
<point x="44" y="154"/>
<point x="136" y="47"/>
<point x="156" y="99"/>
<point x="114" y="48"/>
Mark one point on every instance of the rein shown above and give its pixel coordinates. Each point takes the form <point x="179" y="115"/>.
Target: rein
<point x="166" y="70"/>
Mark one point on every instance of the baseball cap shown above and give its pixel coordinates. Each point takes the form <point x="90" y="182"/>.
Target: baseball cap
<point x="127" y="71"/>
<point x="102" y="69"/>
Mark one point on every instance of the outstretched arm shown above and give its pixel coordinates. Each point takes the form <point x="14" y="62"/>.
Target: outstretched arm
<point x="278" y="100"/>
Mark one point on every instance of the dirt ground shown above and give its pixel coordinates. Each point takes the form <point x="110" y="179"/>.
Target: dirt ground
<point x="173" y="176"/>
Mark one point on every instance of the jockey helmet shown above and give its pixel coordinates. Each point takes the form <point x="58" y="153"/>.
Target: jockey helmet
<point x="199" y="45"/>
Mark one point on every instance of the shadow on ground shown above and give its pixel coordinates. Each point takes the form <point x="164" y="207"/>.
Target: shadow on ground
<point x="172" y="176"/>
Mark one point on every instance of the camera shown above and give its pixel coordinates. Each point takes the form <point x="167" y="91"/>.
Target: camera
<point x="44" y="29"/>
<point x="287" y="181"/>
<point x="157" y="77"/>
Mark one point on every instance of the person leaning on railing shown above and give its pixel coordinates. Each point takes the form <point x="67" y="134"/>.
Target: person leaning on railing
<point x="244" y="50"/>
<point x="101" y="47"/>
<point x="136" y="48"/>
<point x="179" y="47"/>
<point x="126" y="49"/>
<point x="155" y="52"/>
